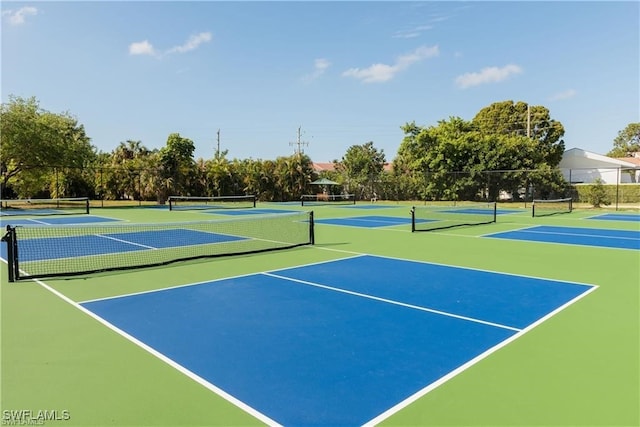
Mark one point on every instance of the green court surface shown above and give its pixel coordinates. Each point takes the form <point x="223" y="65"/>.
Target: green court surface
<point x="579" y="367"/>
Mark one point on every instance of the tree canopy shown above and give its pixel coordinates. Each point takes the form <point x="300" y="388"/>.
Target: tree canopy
<point x="507" y="147"/>
<point x="519" y="118"/>
<point x="360" y="168"/>
<point x="627" y="142"/>
<point x="31" y="137"/>
<point x="481" y="158"/>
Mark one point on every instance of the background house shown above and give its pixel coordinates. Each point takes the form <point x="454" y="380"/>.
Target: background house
<point x="583" y="167"/>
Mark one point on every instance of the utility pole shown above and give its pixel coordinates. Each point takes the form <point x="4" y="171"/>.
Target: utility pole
<point x="299" y="143"/>
<point x="218" y="144"/>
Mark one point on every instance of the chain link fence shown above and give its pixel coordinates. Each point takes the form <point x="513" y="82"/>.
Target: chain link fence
<point x="103" y="184"/>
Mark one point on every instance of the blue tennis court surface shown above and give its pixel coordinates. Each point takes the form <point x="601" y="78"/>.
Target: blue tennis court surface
<point x="112" y="243"/>
<point x="31" y="211"/>
<point x="617" y="217"/>
<point x="252" y="211"/>
<point x="340" y="342"/>
<point x="371" y="221"/>
<point x="372" y="206"/>
<point x="621" y="239"/>
<point x="61" y="220"/>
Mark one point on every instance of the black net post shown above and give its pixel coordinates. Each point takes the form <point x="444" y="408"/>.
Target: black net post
<point x="413" y="219"/>
<point x="12" y="253"/>
<point x="312" y="236"/>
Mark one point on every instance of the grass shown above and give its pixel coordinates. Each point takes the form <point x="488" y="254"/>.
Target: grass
<point x="578" y="368"/>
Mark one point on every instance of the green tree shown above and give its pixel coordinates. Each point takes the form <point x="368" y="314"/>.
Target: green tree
<point x="127" y="170"/>
<point x="36" y="146"/>
<point x="456" y="161"/>
<point x="520" y="118"/>
<point x="177" y="168"/>
<point x="292" y="177"/>
<point x="220" y="175"/>
<point x="627" y="142"/>
<point x="256" y="177"/>
<point x="597" y="195"/>
<point x="410" y="164"/>
<point x="360" y="169"/>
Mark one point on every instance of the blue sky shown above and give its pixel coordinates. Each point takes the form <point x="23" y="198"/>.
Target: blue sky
<point x="346" y="73"/>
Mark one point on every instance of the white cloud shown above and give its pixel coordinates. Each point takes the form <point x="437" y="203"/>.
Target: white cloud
<point x="146" y="48"/>
<point x="192" y="43"/>
<point x="141" y="48"/>
<point x="419" y="54"/>
<point x="320" y="65"/>
<point x="378" y="73"/>
<point x="439" y="18"/>
<point x="411" y="33"/>
<point x="487" y="75"/>
<point x="18" y="17"/>
<point x="567" y="94"/>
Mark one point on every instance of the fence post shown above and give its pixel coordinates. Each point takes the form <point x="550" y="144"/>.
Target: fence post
<point x="618" y="185"/>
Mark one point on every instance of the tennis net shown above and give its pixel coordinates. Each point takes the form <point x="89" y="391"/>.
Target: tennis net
<point x="41" y="251"/>
<point x="551" y="207"/>
<point x="435" y="217"/>
<point x="215" y="202"/>
<point x="328" y="199"/>
<point x="61" y="206"/>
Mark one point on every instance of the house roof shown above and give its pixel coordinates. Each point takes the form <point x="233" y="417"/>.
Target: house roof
<point x="323" y="166"/>
<point x="579" y="153"/>
<point x="634" y="160"/>
<point x="329" y="166"/>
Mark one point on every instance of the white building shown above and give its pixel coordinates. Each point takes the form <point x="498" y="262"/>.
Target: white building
<point x="583" y="167"/>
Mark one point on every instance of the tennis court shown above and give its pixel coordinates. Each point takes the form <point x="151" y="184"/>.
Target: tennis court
<point x="318" y="328"/>
<point x="56" y="220"/>
<point x="619" y="239"/>
<point x="37" y="207"/>
<point x="362" y="327"/>
<point x="367" y="221"/>
<point x="46" y="248"/>
<point x="255" y="211"/>
<point x="617" y="217"/>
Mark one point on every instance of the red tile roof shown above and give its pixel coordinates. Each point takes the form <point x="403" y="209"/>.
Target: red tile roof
<point x="323" y="166"/>
<point x="634" y="160"/>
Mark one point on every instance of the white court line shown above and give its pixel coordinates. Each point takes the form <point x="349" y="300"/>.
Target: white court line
<point x="389" y="412"/>
<point x="402" y="304"/>
<point x="260" y="416"/>
<point x="546" y="242"/>
<point x="126" y="241"/>
<point x="153" y="291"/>
<point x="204" y="282"/>
<point x="38" y="221"/>
<point x="454" y="266"/>
<point x="599" y="236"/>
